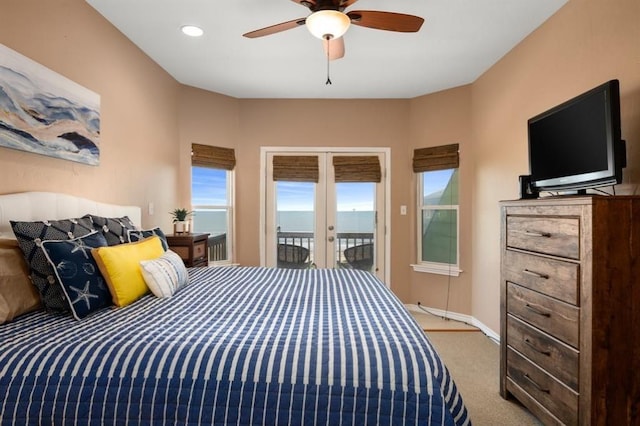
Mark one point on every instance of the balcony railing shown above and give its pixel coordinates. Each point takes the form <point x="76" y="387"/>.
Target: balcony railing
<point x="218" y="247"/>
<point x="344" y="240"/>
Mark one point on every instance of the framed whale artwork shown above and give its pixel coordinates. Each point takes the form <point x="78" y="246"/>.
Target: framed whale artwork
<point x="45" y="113"/>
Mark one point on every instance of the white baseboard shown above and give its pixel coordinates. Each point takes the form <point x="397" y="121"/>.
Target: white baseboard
<point x="467" y="319"/>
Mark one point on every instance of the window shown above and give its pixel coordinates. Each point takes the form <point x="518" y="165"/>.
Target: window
<point x="437" y="210"/>
<point x="212" y="192"/>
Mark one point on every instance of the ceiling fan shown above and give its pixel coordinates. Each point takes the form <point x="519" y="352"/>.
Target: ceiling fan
<point x="329" y="22"/>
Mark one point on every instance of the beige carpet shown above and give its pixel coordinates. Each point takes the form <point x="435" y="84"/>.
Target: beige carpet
<point x="473" y="361"/>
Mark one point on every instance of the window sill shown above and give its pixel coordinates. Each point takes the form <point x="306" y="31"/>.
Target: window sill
<point x="452" y="271"/>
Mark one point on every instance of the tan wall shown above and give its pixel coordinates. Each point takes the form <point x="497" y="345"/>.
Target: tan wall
<point x="401" y="125"/>
<point x="586" y="43"/>
<point x="322" y="123"/>
<point x="206" y="118"/>
<point x="139" y="127"/>
<point x="440" y="119"/>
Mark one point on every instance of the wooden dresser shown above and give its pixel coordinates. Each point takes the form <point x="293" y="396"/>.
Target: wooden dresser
<point x="192" y="248"/>
<point x="570" y="308"/>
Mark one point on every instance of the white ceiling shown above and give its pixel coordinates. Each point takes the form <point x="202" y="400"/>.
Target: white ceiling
<point x="459" y="40"/>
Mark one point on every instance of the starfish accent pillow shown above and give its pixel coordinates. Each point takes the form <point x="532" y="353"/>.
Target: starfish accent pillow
<point x="30" y="236"/>
<point x="80" y="278"/>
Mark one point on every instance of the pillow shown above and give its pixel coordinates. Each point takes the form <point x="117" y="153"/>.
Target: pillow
<point x="30" y="236"/>
<point x="17" y="295"/>
<point x="114" y="229"/>
<point x="120" y="267"/>
<point x="136" y="235"/>
<point x="164" y="275"/>
<point x="78" y="274"/>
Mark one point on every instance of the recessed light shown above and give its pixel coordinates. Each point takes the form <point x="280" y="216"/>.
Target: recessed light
<point x="192" y="30"/>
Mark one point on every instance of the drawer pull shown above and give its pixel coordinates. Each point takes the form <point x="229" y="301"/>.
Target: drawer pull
<point x="535" y="384"/>
<point x="536" y="274"/>
<point x="535" y="348"/>
<point x="537" y="234"/>
<point x="537" y="311"/>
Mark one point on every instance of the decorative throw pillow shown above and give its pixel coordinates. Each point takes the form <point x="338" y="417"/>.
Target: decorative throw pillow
<point x="30" y="236"/>
<point x="164" y="275"/>
<point x="17" y="295"/>
<point x="78" y="274"/>
<point x="114" y="229"/>
<point x="136" y="235"/>
<point x="120" y="266"/>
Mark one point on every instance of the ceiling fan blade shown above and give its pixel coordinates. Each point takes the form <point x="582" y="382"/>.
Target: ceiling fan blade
<point x="389" y="21"/>
<point x="283" y="26"/>
<point x="346" y="3"/>
<point x="334" y="47"/>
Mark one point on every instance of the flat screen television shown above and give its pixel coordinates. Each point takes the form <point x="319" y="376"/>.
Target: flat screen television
<point x="577" y="145"/>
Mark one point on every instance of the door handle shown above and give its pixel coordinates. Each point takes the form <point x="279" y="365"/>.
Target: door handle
<point x="330" y="228"/>
<point x="330" y="239"/>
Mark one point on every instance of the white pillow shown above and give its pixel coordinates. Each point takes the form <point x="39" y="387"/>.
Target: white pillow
<point x="165" y="274"/>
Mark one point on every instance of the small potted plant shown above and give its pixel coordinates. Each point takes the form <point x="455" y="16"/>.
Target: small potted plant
<point x="180" y="223"/>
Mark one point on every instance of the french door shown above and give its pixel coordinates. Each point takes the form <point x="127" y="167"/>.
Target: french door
<point x="327" y="219"/>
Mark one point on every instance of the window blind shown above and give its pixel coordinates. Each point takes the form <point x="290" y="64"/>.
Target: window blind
<point x="436" y="158"/>
<point x="363" y="168"/>
<point x="213" y="156"/>
<point x="296" y="168"/>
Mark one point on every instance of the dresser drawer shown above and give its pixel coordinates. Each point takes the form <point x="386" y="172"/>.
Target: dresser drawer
<point x="561" y="401"/>
<point x="555" y="357"/>
<point x="552" y="277"/>
<point x="558" y="236"/>
<point x="199" y="250"/>
<point x="559" y="319"/>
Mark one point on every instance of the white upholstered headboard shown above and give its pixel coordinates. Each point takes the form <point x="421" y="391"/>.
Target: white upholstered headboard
<point x="29" y="206"/>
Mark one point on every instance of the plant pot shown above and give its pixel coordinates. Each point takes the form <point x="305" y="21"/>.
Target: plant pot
<point x="181" y="227"/>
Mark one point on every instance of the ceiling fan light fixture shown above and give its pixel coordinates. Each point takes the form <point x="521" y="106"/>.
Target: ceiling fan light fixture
<point x="328" y="24"/>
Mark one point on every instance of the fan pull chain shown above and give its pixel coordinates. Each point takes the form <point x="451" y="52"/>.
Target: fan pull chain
<point x="328" y="38"/>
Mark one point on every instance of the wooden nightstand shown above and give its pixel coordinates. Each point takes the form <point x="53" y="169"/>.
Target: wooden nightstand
<point x="192" y="248"/>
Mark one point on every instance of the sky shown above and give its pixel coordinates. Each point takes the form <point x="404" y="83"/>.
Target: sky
<point x="298" y="196"/>
<point x="209" y="189"/>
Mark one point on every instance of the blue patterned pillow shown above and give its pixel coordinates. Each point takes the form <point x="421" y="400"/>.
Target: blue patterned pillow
<point x="164" y="275"/>
<point x="114" y="229"/>
<point x="30" y="236"/>
<point x="79" y="276"/>
<point x="135" y="235"/>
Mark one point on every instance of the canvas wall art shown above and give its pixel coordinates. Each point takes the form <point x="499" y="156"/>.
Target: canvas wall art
<point x="45" y="113"/>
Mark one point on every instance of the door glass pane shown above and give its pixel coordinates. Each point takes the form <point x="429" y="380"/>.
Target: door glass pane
<point x="355" y="225"/>
<point x="295" y="224"/>
<point x="209" y="198"/>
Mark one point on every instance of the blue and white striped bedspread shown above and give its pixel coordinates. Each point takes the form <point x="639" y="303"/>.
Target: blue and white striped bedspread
<point x="236" y="346"/>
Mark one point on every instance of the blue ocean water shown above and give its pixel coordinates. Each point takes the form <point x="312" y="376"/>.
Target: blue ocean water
<point x="214" y="222"/>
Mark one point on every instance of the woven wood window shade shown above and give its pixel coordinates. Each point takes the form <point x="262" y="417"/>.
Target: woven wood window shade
<point x="363" y="168"/>
<point x="213" y="156"/>
<point x="436" y="158"/>
<point x="296" y="168"/>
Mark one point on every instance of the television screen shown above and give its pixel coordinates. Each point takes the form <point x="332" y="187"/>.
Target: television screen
<point x="576" y="145"/>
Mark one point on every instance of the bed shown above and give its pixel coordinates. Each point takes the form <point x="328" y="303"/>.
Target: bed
<point x="236" y="345"/>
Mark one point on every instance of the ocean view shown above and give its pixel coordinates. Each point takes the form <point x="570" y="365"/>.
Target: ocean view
<point x="214" y="222"/>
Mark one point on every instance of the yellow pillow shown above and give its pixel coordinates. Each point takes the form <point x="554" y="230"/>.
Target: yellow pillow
<point x="120" y="267"/>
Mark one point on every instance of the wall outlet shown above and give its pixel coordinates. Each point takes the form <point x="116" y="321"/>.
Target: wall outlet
<point x="151" y="209"/>
<point x="403" y="210"/>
